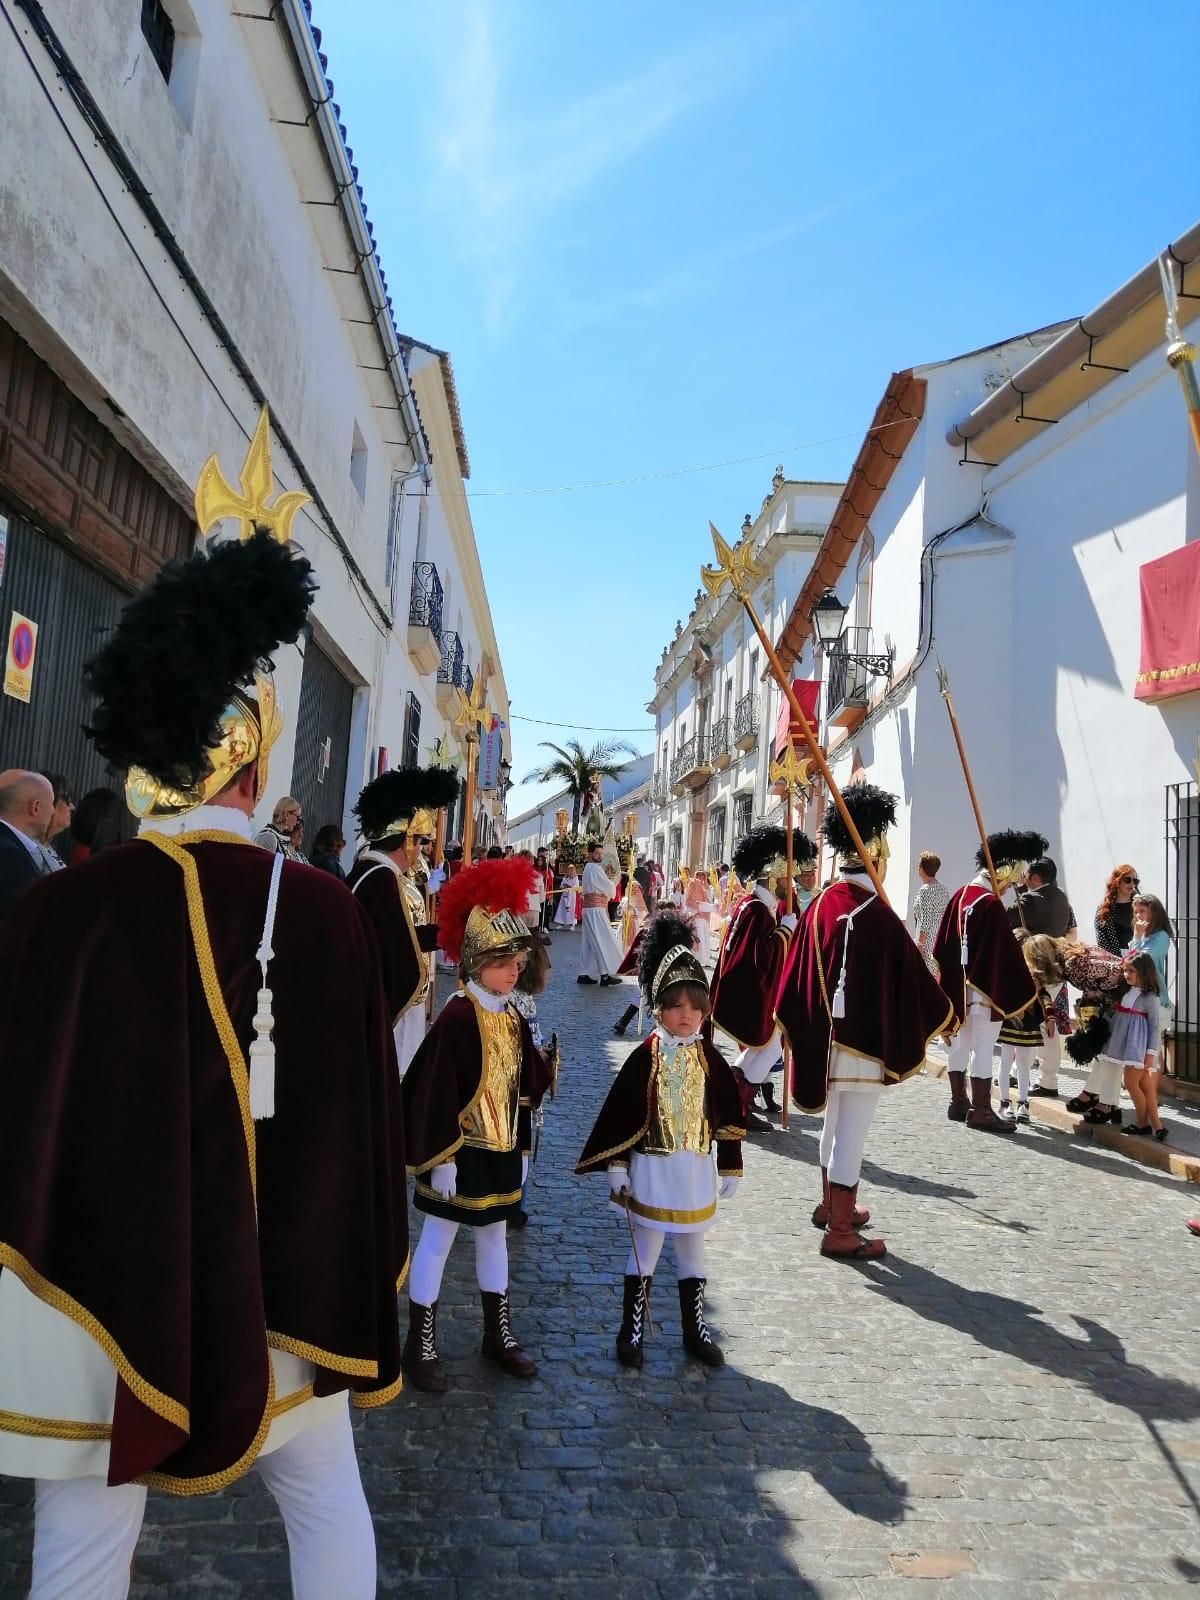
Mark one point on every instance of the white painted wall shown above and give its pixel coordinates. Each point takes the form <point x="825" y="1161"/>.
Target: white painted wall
<point x="1036" y="618"/>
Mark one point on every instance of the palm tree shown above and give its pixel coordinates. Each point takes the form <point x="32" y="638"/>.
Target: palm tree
<point x="580" y="770"/>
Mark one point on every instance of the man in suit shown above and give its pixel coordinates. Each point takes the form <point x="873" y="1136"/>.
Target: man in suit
<point x="26" y="811"/>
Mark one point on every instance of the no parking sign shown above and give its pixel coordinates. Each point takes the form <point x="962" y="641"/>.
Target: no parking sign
<point x="22" y="652"/>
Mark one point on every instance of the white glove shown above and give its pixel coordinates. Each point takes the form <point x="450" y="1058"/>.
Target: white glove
<point x="788" y="920"/>
<point x="728" y="1187"/>
<point x="524" y="1169"/>
<point x="618" y="1181"/>
<point x="443" y="1180"/>
<point x="436" y="879"/>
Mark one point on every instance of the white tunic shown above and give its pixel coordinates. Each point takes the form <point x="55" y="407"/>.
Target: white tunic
<point x="674" y="1193"/>
<point x="601" y="952"/>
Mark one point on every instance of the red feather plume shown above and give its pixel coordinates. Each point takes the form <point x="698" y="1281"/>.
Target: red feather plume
<point x="495" y="885"/>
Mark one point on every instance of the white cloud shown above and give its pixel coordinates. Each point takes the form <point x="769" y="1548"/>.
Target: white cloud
<point x="504" y="172"/>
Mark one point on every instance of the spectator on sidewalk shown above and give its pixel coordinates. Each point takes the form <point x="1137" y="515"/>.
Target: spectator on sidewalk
<point x="1043" y="908"/>
<point x="1132" y="1047"/>
<point x="931" y="901"/>
<point x="327" y="850"/>
<point x="58" y="839"/>
<point x="1114" y="914"/>
<point x="277" y="836"/>
<point x="26" y="807"/>
<point x="1153" y="933"/>
<point x="100" y="819"/>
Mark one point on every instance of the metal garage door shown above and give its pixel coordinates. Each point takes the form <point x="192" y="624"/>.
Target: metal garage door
<point x="74" y="607"/>
<point x="322" y="742"/>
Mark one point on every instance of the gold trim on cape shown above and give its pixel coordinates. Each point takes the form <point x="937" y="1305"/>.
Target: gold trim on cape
<point x="54" y="1428"/>
<point x="351" y="1366"/>
<point x="163" y="1405"/>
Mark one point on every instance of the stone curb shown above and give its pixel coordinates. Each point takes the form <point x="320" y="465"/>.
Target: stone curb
<point x="1146" y="1151"/>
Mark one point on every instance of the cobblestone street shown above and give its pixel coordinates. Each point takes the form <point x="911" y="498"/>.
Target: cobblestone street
<point x="1005" y="1405"/>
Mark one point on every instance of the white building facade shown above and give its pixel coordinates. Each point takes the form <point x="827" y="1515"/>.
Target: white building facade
<point x="184" y="242"/>
<point x="1037" y="481"/>
<point x="715" y="703"/>
<point x="628" y="794"/>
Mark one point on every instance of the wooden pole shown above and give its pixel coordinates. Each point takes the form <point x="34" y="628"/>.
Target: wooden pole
<point x="944" y="685"/>
<point x="469" y="824"/>
<point x="790" y="902"/>
<point x="814" y="749"/>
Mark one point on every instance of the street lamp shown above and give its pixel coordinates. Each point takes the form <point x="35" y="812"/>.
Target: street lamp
<point x="828" y="618"/>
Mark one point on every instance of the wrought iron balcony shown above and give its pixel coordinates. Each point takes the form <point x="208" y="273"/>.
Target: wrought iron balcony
<point x="852" y="665"/>
<point x="719" y="744"/>
<point x="450" y="673"/>
<point x="451" y="666"/>
<point x="660" y="794"/>
<point x="425" y="617"/>
<point x="690" y="768"/>
<point x="745" y="721"/>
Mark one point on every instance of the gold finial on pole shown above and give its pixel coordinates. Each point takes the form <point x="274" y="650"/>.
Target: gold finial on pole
<point x="737" y="568"/>
<point x="215" y="498"/>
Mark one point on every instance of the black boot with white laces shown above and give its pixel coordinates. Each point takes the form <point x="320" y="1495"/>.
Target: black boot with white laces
<point x="697" y="1340"/>
<point x="631" y="1338"/>
<point x="419" y="1360"/>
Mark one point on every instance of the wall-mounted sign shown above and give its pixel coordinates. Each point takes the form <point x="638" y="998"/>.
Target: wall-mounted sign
<point x="491" y="749"/>
<point x="22" y="650"/>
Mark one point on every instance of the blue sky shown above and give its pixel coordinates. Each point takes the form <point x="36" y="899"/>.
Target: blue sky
<point x="657" y="236"/>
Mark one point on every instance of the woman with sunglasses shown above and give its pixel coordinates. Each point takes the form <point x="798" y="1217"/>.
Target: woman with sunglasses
<point x="1114" y="914"/>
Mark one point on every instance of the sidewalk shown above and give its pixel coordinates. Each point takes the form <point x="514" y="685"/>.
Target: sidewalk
<point x="1179" y="1153"/>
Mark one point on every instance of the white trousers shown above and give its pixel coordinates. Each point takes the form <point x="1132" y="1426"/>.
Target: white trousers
<point x="433" y="1251"/>
<point x="848" y="1117"/>
<point x="1109" y="1075"/>
<point x="972" y="1046"/>
<point x="85" y="1532"/>
<point x="1051" y="1055"/>
<point x="1021" y="1056"/>
<point x="689" y="1252"/>
<point x="756" y="1061"/>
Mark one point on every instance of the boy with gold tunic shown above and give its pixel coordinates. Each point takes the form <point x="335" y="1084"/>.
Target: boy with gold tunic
<point x="673" y="1101"/>
<point x="470" y="1093"/>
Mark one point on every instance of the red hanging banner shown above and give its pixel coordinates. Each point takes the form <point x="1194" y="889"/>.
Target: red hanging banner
<point x="807" y="692"/>
<point x="1170" y="663"/>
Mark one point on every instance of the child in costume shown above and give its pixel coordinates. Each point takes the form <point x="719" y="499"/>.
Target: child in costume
<point x="566" y="913"/>
<point x="468" y="1099"/>
<point x="674" y="1099"/>
<point x="1021" y="1036"/>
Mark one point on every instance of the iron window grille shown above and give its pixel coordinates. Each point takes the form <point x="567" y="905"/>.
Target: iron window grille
<point x="425" y="603"/>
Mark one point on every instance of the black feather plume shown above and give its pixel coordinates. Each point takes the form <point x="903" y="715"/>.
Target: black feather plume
<point x="873" y="810"/>
<point x="663" y="932"/>
<point x="400" y="792"/>
<point x="183" y="646"/>
<point x="1010" y="845"/>
<point x="1086" y="1042"/>
<point x="763" y="844"/>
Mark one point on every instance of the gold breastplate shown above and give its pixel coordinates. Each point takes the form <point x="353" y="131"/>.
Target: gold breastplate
<point x="491" y="1123"/>
<point x="678" y="1121"/>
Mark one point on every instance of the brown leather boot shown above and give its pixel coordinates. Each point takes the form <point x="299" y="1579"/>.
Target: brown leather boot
<point x="960" y="1105"/>
<point x="632" y="1335"/>
<point x="499" y="1345"/>
<point x="419" y="1358"/>
<point x="820" y="1216"/>
<point x="842" y="1241"/>
<point x="697" y="1340"/>
<point x="981" y="1114"/>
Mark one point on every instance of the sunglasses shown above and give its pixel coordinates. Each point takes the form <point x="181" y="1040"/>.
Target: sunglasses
<point x="1127" y="878"/>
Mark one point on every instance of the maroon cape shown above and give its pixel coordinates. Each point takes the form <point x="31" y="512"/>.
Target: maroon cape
<point x="445" y="1080"/>
<point x="893" y="1004"/>
<point x="126" y="1149"/>
<point x="749" y="969"/>
<point x="995" y="965"/>
<point x="377" y="889"/>
<point x="626" y="1114"/>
